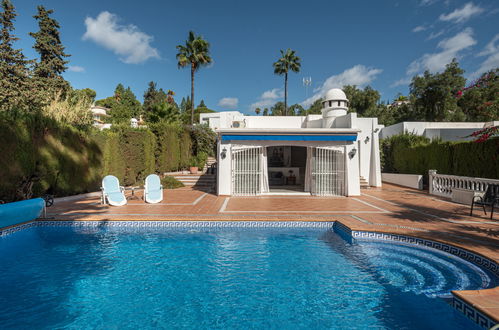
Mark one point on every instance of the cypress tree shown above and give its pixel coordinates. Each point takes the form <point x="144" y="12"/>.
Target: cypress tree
<point x="48" y="44"/>
<point x="14" y="72"/>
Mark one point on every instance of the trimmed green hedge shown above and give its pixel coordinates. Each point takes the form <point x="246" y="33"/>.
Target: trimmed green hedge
<point x="409" y="154"/>
<point x="39" y="155"/>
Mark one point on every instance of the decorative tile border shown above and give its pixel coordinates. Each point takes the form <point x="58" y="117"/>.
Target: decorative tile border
<point x="473" y="314"/>
<point x="189" y="224"/>
<point x="475" y="259"/>
<point x="16" y="228"/>
<point x="468" y="310"/>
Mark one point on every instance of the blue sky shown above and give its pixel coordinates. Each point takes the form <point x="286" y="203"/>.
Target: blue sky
<point x="377" y="43"/>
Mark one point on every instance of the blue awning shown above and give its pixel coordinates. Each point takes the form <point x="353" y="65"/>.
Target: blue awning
<point x="314" y="137"/>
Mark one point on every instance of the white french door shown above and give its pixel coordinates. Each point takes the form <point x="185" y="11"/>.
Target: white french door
<point x="328" y="171"/>
<point x="246" y="171"/>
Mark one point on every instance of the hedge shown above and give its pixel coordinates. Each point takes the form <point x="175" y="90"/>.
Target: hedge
<point x="58" y="159"/>
<point x="416" y="155"/>
<point x="41" y="156"/>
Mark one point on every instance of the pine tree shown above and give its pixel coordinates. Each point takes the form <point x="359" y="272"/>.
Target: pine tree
<point x="202" y="105"/>
<point x="48" y="44"/>
<point x="14" y="84"/>
<point x="123" y="106"/>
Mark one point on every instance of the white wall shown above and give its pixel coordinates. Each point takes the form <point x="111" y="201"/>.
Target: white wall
<point x="224" y="174"/>
<point x="447" y="131"/>
<point x="274" y="121"/>
<point x="352" y="171"/>
<point x="407" y="180"/>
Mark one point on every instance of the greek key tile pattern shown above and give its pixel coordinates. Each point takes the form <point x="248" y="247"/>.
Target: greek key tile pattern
<point x="172" y="224"/>
<point x="473" y="314"/>
<point x="14" y="229"/>
<point x="466" y="255"/>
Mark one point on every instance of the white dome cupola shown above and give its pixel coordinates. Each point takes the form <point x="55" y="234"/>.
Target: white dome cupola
<point x="335" y="104"/>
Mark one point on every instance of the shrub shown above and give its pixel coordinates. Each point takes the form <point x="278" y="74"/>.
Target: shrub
<point x="169" y="182"/>
<point x="411" y="155"/>
<point x="203" y="139"/>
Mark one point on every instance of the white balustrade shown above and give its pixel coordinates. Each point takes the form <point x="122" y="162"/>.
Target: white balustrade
<point x="442" y="184"/>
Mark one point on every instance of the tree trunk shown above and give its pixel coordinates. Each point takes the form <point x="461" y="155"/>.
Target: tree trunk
<point x="285" y="93"/>
<point x="192" y="93"/>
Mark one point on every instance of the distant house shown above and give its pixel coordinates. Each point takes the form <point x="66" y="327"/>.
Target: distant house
<point x="99" y="114"/>
<point x="398" y="103"/>
<point x="446" y="131"/>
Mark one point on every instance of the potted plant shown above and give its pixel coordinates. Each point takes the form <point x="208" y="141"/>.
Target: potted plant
<point x="193" y="165"/>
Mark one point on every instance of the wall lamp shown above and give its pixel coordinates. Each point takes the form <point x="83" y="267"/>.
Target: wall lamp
<point x="352" y="153"/>
<point x="223" y="154"/>
<point x="367" y="139"/>
<point x="376" y="130"/>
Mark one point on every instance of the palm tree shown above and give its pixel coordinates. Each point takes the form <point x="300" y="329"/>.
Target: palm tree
<point x="195" y="53"/>
<point x="257" y="110"/>
<point x="288" y="61"/>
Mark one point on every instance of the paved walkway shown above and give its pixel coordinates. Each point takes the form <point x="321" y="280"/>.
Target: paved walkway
<point x="390" y="209"/>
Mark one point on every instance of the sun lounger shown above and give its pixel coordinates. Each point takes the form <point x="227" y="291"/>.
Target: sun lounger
<point x="153" y="190"/>
<point x="112" y="191"/>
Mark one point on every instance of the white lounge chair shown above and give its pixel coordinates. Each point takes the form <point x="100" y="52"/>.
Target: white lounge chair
<point x="153" y="190"/>
<point x="112" y="191"/>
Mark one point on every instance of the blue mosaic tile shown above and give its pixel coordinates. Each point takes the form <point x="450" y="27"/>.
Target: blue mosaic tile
<point x="461" y="253"/>
<point x="473" y="314"/>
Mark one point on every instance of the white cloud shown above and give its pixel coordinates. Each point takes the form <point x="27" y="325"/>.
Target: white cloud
<point x="420" y="28"/>
<point x="491" y="47"/>
<point x="402" y="82"/>
<point x="426" y="2"/>
<point x="434" y="35"/>
<point x="76" y="68"/>
<point x="462" y="14"/>
<point x="228" y="102"/>
<point x="450" y="49"/>
<point x="127" y="41"/>
<point x="358" y="75"/>
<point x="268" y="98"/>
<point x="492" y="60"/>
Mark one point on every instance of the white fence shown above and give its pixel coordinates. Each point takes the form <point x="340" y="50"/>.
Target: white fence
<point x="442" y="184"/>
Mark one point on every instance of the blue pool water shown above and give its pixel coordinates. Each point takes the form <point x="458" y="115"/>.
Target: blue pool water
<point x="239" y="279"/>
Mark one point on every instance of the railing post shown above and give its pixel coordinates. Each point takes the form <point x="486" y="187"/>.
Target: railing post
<point x="431" y="174"/>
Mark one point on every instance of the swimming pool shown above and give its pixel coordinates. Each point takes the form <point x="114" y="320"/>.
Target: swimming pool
<point x="67" y="277"/>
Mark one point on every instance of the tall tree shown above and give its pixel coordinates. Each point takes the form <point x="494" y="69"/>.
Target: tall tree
<point x="257" y="111"/>
<point x="278" y="109"/>
<point x="202" y="105"/>
<point x="152" y="97"/>
<point x="287" y="61"/>
<point x="480" y="100"/>
<point x="195" y="53"/>
<point x="123" y="105"/>
<point x="434" y="95"/>
<point x="48" y="44"/>
<point x="361" y="100"/>
<point x="315" y="108"/>
<point x="14" y="82"/>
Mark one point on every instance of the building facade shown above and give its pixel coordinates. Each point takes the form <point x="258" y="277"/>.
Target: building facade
<point x="325" y="155"/>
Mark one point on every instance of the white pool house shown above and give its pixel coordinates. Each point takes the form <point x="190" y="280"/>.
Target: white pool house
<point x="332" y="154"/>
